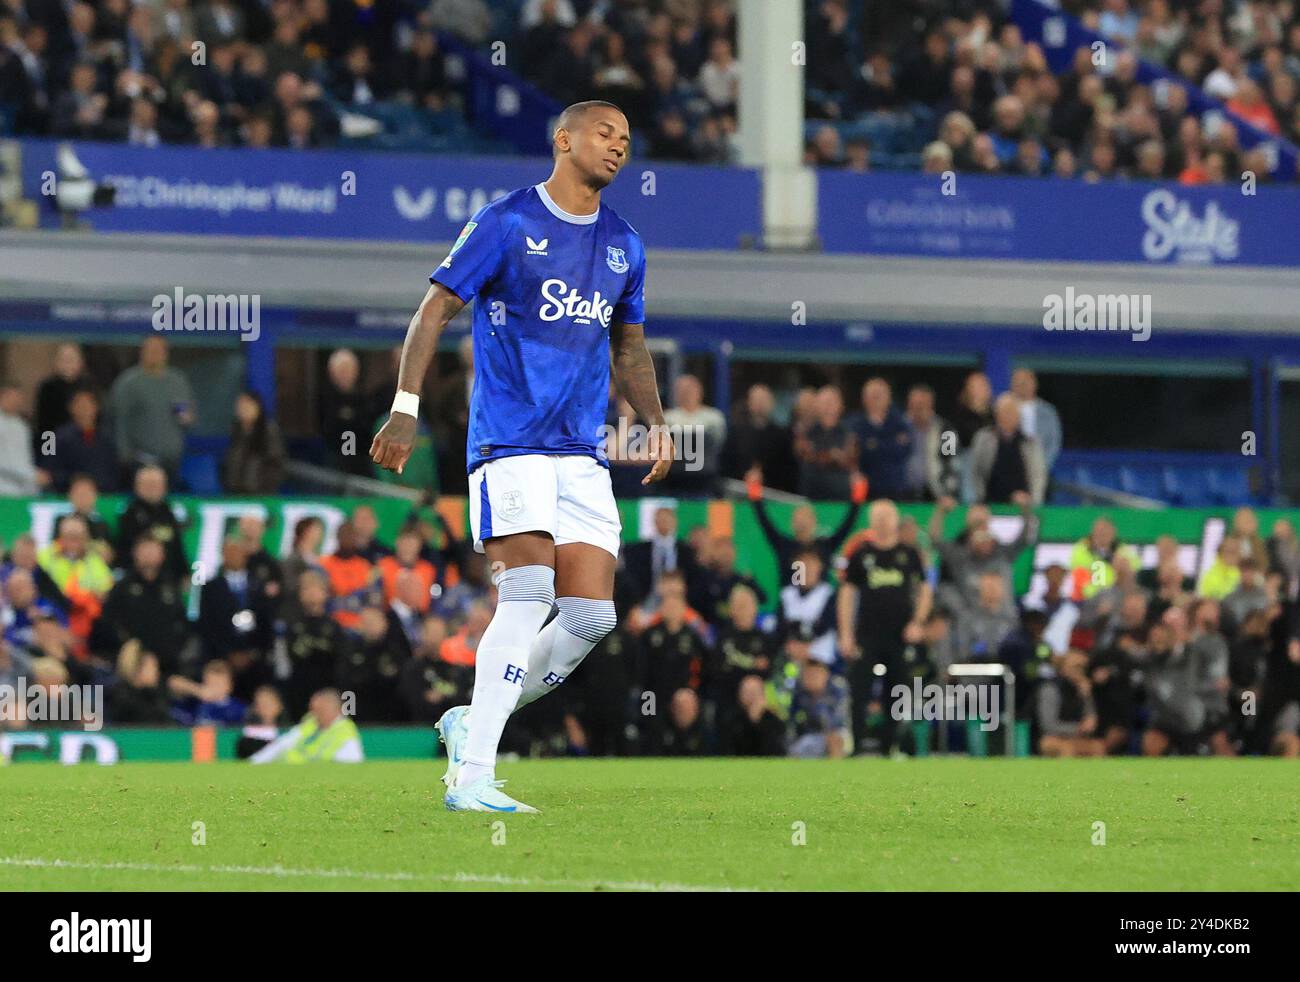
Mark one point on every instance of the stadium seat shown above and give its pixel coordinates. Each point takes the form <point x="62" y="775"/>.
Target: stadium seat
<point x="201" y="473"/>
<point x="1190" y="487"/>
<point x="1144" y="481"/>
<point x="1229" y="485"/>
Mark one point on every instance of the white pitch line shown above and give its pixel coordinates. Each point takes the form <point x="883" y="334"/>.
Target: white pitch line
<point x="347" y="874"/>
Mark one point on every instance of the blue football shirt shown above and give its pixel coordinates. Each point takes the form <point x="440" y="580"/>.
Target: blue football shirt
<point x="547" y="285"/>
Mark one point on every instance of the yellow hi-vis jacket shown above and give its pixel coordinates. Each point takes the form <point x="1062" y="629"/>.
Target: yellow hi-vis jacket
<point x="339" y="743"/>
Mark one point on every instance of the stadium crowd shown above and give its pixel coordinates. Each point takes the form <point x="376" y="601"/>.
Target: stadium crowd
<point x="1112" y="652"/>
<point x="980" y="98"/>
<point x="998" y="108"/>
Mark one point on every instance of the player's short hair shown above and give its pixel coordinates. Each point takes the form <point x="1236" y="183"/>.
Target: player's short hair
<point x="574" y="114"/>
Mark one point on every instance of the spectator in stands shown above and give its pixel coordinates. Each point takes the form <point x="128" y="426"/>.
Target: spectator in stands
<point x="927" y="471"/>
<point x="1284" y="554"/>
<point x="716" y="577"/>
<point x="806" y="611"/>
<point x="1250" y="595"/>
<point x="80" y="573"/>
<point x="1038" y="418"/>
<point x="137" y="696"/>
<point x="1006" y="465"/>
<point x="148" y="512"/>
<point x="983" y="626"/>
<point x="672" y="653"/>
<point x="145" y="611"/>
<point x="84" y="446"/>
<point x="754" y="731"/>
<point x="1173" y="691"/>
<point x="267" y="576"/>
<point x="1121" y="606"/>
<point x="427" y="685"/>
<point x="25" y="608"/>
<point x="883" y="439"/>
<point x="210" y="701"/>
<point x="407" y="559"/>
<point x="974" y="412"/>
<point x="314" y="643"/>
<point x="819" y="714"/>
<point x="421" y="75"/>
<point x="1209" y="651"/>
<point x="304" y="555"/>
<point x="254" y="462"/>
<point x="720" y="76"/>
<point x="18" y="474"/>
<point x="699" y="432"/>
<point x="358" y="82"/>
<point x="55" y="392"/>
<point x="409" y="603"/>
<point x="1224" y="574"/>
<point x="826" y="450"/>
<point x="1091" y="559"/>
<point x="468" y="19"/>
<point x="346" y="422"/>
<point x="373" y="667"/>
<point x="936" y="158"/>
<point x="741" y="649"/>
<point x="1066" y="712"/>
<point x="460" y="648"/>
<point x="1166" y="552"/>
<point x="235" y="622"/>
<point x="365" y="523"/>
<point x="967" y="558"/>
<point x="261" y="726"/>
<point x="152" y="407"/>
<point x="1245" y="531"/>
<point x="681" y="734"/>
<point x="803" y="528"/>
<point x="647" y="560"/>
<point x="354" y="581"/>
<point x="755" y="439"/>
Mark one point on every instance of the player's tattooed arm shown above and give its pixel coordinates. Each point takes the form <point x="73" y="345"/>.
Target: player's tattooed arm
<point x="392" y="444"/>
<point x="634" y="374"/>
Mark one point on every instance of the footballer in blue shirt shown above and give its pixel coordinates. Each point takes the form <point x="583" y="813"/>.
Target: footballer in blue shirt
<point x="558" y="284"/>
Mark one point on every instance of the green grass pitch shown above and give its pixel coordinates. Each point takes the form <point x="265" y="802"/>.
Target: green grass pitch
<point x="865" y="824"/>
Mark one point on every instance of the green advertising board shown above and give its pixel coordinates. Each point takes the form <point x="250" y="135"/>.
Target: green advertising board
<point x="207" y="520"/>
<point x="122" y="744"/>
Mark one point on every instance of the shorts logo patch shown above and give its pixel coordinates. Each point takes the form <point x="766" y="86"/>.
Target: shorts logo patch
<point x="512" y="503"/>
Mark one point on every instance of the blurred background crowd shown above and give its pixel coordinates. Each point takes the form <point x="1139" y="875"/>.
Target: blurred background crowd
<point x="907" y="85"/>
<point x="1120" y="649"/>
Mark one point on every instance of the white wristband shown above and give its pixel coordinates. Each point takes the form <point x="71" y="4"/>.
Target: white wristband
<point x="406" y="402"/>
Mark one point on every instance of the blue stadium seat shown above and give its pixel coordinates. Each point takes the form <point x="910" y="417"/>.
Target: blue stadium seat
<point x="1100" y="475"/>
<point x="1190" y="486"/>
<point x="200" y="473"/>
<point x="1229" y="485"/>
<point x="1144" y="481"/>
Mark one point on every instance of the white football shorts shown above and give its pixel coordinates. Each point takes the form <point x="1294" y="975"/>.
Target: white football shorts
<point x="566" y="495"/>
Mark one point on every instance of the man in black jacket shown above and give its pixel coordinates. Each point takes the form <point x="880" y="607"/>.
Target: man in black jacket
<point x="149" y="512"/>
<point x="146" y="608"/>
<point x="803" y="522"/>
